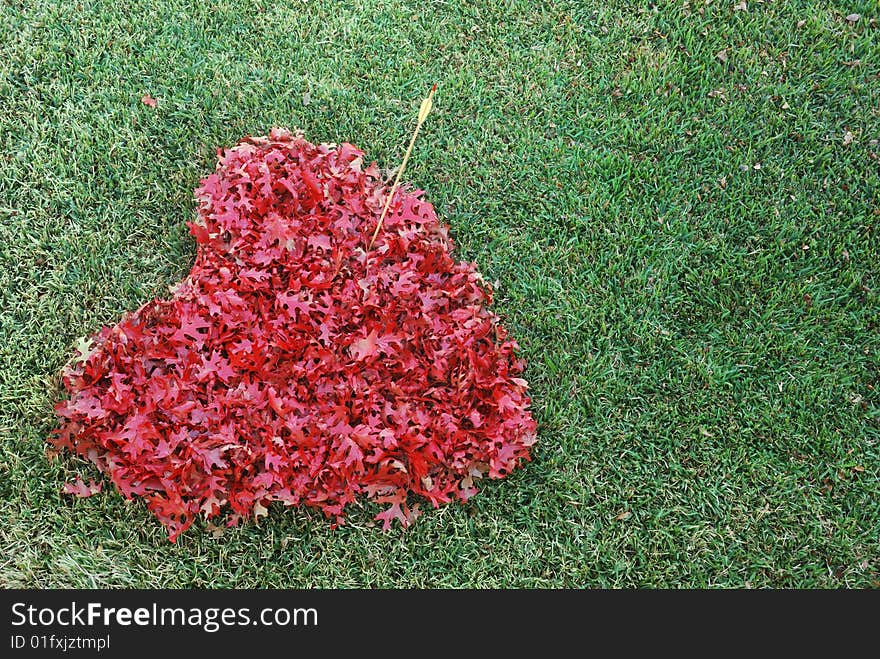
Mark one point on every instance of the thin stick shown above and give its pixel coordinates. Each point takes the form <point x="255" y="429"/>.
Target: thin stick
<point x="423" y="113"/>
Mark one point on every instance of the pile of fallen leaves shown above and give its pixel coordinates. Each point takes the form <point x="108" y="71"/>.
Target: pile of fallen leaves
<point x="293" y="365"/>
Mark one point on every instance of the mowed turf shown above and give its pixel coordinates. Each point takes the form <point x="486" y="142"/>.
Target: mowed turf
<point x="678" y="203"/>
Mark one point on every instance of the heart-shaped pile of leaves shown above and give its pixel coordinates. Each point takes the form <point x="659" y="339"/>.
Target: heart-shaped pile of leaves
<point x="293" y="364"/>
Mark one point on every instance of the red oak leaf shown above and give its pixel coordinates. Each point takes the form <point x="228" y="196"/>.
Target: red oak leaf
<point x="366" y="347"/>
<point x="80" y="489"/>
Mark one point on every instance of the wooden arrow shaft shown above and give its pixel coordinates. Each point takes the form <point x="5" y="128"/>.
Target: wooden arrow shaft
<point x="423" y="113"/>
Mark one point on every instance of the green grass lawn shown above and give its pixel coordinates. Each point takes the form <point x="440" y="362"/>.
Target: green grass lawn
<point x="680" y="205"/>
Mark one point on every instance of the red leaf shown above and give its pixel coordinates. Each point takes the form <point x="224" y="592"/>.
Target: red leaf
<point x="312" y="185"/>
<point x="148" y="100"/>
<point x="363" y="348"/>
<point x="80" y="489"/>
